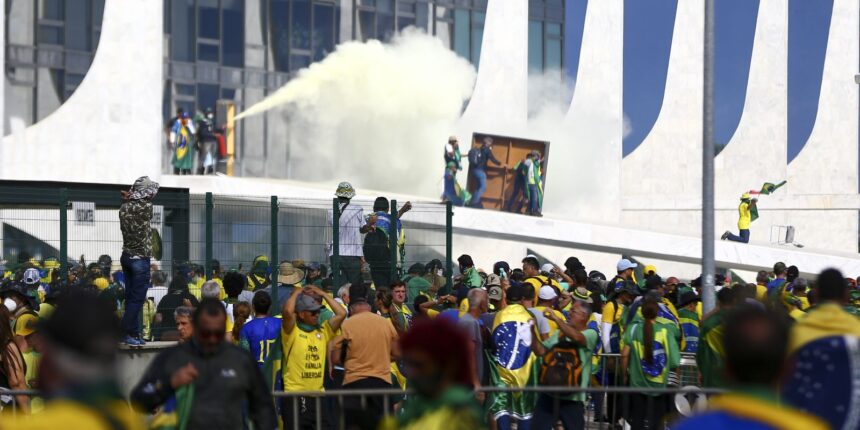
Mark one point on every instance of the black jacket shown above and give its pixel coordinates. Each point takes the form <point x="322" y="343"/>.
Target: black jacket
<point x="226" y="381"/>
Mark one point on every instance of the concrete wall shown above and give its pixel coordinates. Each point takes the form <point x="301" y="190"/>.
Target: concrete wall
<point x="113" y="115"/>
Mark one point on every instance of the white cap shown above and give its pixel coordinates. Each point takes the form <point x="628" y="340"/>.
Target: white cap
<point x="547" y="293"/>
<point x="32" y="276"/>
<point x="625" y="264"/>
<point x="547" y="267"/>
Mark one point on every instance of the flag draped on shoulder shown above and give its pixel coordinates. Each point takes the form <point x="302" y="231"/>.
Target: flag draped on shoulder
<point x="512" y="362"/>
<point x="176" y="411"/>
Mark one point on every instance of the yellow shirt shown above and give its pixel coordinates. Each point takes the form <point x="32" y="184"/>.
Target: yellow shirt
<point x="553" y="327"/>
<point x="63" y="414"/>
<point x="540" y="280"/>
<point x="761" y="292"/>
<point x="744" y="216"/>
<point x="306" y="354"/>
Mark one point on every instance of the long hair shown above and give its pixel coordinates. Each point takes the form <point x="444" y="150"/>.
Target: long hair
<point x="241" y="312"/>
<point x="8" y="358"/>
<point x="650" y="308"/>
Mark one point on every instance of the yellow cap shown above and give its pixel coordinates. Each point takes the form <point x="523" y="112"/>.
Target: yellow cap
<point x="648" y="269"/>
<point x="101" y="283"/>
<point x="745" y="196"/>
<point x="25" y="325"/>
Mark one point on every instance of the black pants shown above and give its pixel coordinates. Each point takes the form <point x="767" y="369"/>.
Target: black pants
<point x="367" y="416"/>
<point x="306" y="407"/>
<point x="646" y="412"/>
<point x="350" y="270"/>
<point x="380" y="272"/>
<point x="548" y="411"/>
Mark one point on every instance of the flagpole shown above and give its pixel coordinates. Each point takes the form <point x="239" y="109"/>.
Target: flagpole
<point x="708" y="264"/>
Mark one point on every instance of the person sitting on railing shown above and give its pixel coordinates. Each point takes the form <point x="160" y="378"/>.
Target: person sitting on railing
<point x="755" y="343"/>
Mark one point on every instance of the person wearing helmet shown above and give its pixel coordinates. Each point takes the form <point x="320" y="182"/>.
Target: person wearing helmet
<point x="206" y="143"/>
<point x="745" y="209"/>
<point x="181" y="142"/>
<point x="352" y="224"/>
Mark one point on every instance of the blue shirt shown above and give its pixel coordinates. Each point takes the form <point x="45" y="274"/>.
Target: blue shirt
<point x="383" y="222"/>
<point x="259" y="335"/>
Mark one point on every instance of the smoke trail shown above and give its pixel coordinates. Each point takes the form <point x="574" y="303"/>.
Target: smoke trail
<point x="374" y="114"/>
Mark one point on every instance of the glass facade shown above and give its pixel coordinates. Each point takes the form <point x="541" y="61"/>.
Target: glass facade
<point x="240" y="50"/>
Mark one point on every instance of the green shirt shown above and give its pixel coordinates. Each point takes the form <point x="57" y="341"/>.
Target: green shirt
<point x="709" y="356"/>
<point x="416" y="286"/>
<point x="585" y="353"/>
<point x="665" y="352"/>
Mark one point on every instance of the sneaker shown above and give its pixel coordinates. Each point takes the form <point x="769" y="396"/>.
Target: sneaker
<point x="141" y="342"/>
<point x="132" y="342"/>
<point x="725" y="235"/>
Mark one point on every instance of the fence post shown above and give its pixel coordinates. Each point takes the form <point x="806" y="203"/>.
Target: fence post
<point x="208" y="239"/>
<point x="335" y="244"/>
<point x="449" y="249"/>
<point x="64" y="233"/>
<point x="392" y="239"/>
<point x="274" y="261"/>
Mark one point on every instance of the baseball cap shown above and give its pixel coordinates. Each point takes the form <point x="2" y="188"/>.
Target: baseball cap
<point x="493" y="280"/>
<point x="31" y="276"/>
<point x="547" y="267"/>
<point x="625" y="264"/>
<point x="307" y="303"/>
<point x="547" y="293"/>
<point x="26" y="324"/>
<point x="495" y="293"/>
<point x="650" y="269"/>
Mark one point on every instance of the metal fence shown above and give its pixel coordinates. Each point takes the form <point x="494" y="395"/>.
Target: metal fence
<point x="63" y="230"/>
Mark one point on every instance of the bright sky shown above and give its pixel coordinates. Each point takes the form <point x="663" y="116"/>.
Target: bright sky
<point x="648" y="28"/>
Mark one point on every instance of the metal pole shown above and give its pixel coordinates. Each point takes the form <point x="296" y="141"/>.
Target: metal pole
<point x="392" y="240"/>
<point x="335" y="244"/>
<point x="64" y="233"/>
<point x="449" y="248"/>
<point x="208" y="231"/>
<point x="708" y="266"/>
<point x="273" y="218"/>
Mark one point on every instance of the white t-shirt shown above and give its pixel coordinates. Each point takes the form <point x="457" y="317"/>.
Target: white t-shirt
<point x="540" y="320"/>
<point x="351" y="222"/>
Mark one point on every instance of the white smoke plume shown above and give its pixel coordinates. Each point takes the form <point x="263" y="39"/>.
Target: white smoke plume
<point x="375" y="114"/>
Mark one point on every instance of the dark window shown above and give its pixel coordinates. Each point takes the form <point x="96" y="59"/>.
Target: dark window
<point x="185" y="89"/>
<point x="301" y="22"/>
<point x="535" y="46"/>
<point x="233" y="36"/>
<point x="207" y="52"/>
<point x="228" y="93"/>
<point x="461" y="33"/>
<point x="207" y="19"/>
<point x="182" y="30"/>
<point x="280" y="34"/>
<point x="51" y="35"/>
<point x="298" y="62"/>
<point x="323" y="30"/>
<point x="477" y="36"/>
<point x="404" y="21"/>
<point x="78" y="25"/>
<point x="53" y="9"/>
<point x="207" y="95"/>
<point x="366" y="25"/>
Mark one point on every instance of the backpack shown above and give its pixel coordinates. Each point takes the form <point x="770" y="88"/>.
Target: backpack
<point x="561" y="366"/>
<point x="376" y="246"/>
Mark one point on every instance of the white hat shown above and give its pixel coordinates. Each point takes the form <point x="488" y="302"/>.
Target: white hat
<point x="625" y="264"/>
<point x="547" y="267"/>
<point x="547" y="293"/>
<point x="31" y="276"/>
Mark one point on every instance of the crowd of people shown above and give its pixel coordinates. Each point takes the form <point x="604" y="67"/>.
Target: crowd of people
<point x="783" y="347"/>
<point x="200" y="135"/>
<point x="527" y="191"/>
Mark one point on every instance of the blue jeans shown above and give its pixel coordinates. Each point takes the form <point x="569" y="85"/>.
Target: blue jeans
<point x="451" y="193"/>
<point x="743" y="238"/>
<point x="514" y="203"/>
<point x="481" y="179"/>
<point x="137" y="281"/>
<point x="534" y="204"/>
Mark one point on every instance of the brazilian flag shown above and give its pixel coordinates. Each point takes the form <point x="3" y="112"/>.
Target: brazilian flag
<point x="512" y="363"/>
<point x="176" y="411"/>
<point x="768" y="188"/>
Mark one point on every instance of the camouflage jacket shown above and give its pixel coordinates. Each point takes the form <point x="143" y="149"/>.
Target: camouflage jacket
<point x="134" y="221"/>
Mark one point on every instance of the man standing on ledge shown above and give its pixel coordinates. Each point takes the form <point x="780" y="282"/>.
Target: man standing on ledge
<point x="745" y="209"/>
<point x="352" y="225"/>
<point x="478" y="158"/>
<point x="135" y="214"/>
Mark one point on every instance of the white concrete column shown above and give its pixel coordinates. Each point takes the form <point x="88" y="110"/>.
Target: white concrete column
<point x="827" y="164"/>
<point x="499" y="103"/>
<point x="756" y="152"/>
<point x="667" y="164"/>
<point x="110" y="128"/>
<point x="585" y="158"/>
